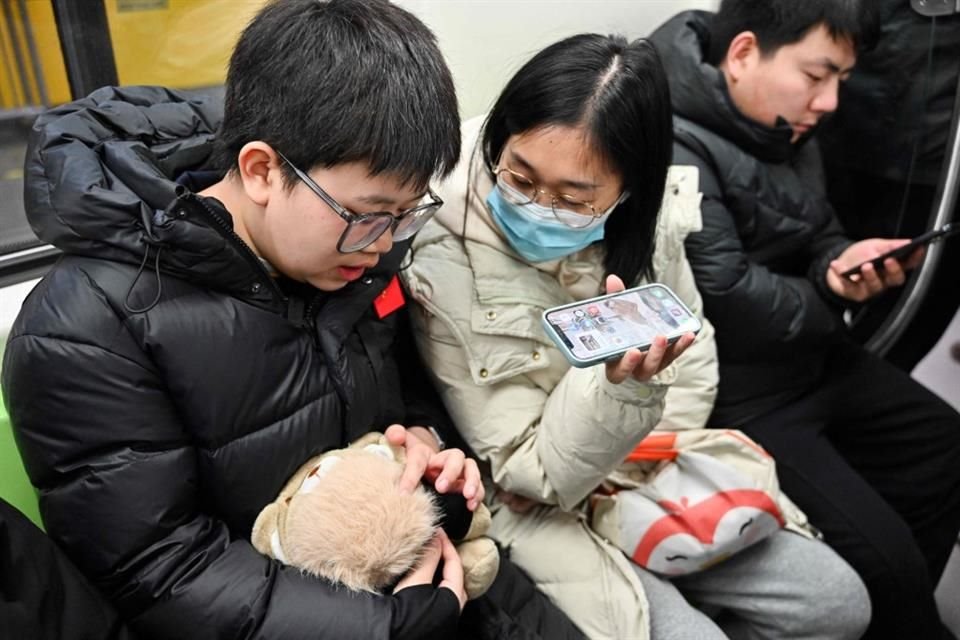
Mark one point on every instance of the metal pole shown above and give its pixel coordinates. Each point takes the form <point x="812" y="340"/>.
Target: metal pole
<point x="909" y="303"/>
<point x="18" y="54"/>
<point x="34" y="55"/>
<point x="9" y="70"/>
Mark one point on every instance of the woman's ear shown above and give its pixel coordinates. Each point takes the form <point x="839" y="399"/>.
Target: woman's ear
<point x="742" y="53"/>
<point x="259" y="168"/>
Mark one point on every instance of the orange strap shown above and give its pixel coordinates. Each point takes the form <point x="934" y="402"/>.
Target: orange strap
<point x="656" y="446"/>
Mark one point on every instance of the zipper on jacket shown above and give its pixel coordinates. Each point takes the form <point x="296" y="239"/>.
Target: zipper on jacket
<point x="310" y="318"/>
<point x="252" y="259"/>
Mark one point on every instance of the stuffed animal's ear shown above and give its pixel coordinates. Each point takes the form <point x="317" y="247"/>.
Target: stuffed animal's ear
<point x="266" y="533"/>
<point x="374" y="437"/>
<point x="481" y="562"/>
<point x="379" y="441"/>
<point x="399" y="453"/>
<point x="480" y="523"/>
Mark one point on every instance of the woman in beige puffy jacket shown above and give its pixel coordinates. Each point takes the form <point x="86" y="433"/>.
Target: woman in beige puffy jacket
<point x="565" y="184"/>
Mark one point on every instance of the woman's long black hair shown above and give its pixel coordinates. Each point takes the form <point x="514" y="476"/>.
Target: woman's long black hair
<point x="618" y="92"/>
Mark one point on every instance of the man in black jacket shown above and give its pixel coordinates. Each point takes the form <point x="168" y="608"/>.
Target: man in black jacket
<point x="224" y="310"/>
<point x="869" y="454"/>
<point x="883" y="153"/>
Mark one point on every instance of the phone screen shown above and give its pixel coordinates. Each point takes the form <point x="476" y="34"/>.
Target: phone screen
<point x="607" y="326"/>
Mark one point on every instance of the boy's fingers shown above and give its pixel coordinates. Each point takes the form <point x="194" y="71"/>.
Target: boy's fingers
<point x="424" y="571"/>
<point x="396" y="435"/>
<point x="452" y="569"/>
<point x="452" y="461"/>
<point x="473" y="485"/>
<point x="413" y="470"/>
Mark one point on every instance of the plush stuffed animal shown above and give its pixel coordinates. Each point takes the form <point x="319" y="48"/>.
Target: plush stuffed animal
<point x="341" y="517"/>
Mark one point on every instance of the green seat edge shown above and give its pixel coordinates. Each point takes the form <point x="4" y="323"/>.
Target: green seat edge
<point x="15" y="487"/>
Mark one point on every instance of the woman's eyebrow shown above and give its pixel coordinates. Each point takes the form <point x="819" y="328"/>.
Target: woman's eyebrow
<point x="521" y="161"/>
<point x="573" y="184"/>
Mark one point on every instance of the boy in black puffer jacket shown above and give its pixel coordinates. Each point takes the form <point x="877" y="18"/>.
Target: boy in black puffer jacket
<point x="226" y="307"/>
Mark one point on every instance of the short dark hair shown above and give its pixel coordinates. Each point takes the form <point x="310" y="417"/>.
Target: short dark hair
<point x="618" y="91"/>
<point x="333" y="81"/>
<point x="782" y="22"/>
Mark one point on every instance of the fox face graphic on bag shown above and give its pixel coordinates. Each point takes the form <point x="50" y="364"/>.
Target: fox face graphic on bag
<point x="705" y="495"/>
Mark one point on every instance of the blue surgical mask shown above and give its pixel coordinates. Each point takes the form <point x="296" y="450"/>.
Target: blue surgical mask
<point x="535" y="233"/>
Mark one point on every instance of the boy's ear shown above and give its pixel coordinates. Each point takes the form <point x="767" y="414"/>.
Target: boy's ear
<point x="741" y="54"/>
<point x="259" y="167"/>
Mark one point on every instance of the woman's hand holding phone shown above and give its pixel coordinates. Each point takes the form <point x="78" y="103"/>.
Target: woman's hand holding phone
<point x="643" y="365"/>
<point x="870" y="280"/>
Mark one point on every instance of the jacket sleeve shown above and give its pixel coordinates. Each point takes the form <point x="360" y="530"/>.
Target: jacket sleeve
<point x="422" y="403"/>
<point x="120" y="492"/>
<point x="554" y="444"/>
<point x="42" y="595"/>
<point x="760" y="311"/>
<point x="690" y="399"/>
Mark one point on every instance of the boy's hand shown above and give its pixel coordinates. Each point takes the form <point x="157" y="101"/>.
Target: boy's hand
<point x="440" y="548"/>
<point x="643" y="365"/>
<point x="871" y="281"/>
<point x="449" y="470"/>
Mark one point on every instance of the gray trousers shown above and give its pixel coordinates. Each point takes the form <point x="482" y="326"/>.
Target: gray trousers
<point x="786" y="586"/>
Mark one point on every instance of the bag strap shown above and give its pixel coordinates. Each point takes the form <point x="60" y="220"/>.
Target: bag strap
<point x="655" y="447"/>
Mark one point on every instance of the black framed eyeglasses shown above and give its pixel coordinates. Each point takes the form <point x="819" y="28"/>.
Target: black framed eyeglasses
<point x="363" y="229"/>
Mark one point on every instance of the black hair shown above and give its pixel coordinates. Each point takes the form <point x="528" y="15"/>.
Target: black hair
<point x="332" y="81"/>
<point x="776" y="23"/>
<point x="618" y="92"/>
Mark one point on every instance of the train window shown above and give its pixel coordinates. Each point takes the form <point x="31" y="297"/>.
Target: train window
<point x="182" y="44"/>
<point x="32" y="77"/>
<point x="53" y="51"/>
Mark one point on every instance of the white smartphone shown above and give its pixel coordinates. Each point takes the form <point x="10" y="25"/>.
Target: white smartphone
<point x="599" y="329"/>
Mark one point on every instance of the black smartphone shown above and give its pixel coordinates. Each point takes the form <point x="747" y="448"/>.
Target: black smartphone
<point x="903" y="252"/>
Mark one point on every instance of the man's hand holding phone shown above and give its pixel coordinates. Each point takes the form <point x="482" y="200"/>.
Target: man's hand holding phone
<point x="643" y="365"/>
<point x="865" y="269"/>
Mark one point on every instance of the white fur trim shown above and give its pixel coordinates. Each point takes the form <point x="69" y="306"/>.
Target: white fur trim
<point x="381" y="450"/>
<point x="275" y="547"/>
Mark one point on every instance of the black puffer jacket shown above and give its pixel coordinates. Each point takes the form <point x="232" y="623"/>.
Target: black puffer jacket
<point x="162" y="386"/>
<point x="768" y="234"/>
<point x="900" y="94"/>
<point x="42" y="595"/>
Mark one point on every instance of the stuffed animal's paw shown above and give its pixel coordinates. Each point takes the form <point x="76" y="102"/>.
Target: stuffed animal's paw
<point x="481" y="561"/>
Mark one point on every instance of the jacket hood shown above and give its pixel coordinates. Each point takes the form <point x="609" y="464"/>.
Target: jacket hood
<point x="101" y="181"/>
<point x="698" y="90"/>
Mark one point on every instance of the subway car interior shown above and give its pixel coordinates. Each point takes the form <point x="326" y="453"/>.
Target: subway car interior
<point x="58" y="51"/>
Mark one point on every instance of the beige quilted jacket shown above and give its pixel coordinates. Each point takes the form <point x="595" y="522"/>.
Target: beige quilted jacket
<point x="549" y="431"/>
